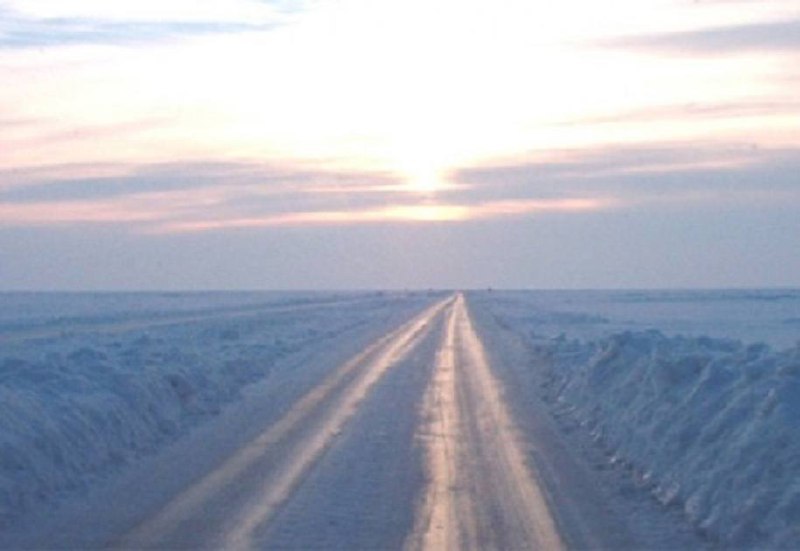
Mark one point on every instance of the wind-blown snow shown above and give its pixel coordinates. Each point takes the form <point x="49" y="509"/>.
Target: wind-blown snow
<point x="711" y="425"/>
<point x="76" y="407"/>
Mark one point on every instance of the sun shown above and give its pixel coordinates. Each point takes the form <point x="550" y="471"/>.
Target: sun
<point x="425" y="181"/>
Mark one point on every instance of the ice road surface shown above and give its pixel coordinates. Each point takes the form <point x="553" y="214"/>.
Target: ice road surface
<point x="646" y="420"/>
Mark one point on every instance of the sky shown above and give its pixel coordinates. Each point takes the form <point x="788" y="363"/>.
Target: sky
<point x="354" y="144"/>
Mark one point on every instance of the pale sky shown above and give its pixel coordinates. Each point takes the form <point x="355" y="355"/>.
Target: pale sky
<point x="230" y="144"/>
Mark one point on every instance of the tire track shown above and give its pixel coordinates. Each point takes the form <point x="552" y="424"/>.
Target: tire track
<point x="481" y="493"/>
<point x="227" y="507"/>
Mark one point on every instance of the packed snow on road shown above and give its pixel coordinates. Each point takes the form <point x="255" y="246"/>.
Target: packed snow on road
<point x="89" y="383"/>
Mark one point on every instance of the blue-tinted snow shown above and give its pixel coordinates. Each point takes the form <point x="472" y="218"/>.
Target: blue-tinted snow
<point x="91" y="382"/>
<point x="697" y="393"/>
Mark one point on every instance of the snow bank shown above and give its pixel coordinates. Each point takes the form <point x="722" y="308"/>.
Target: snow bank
<point x="76" y="408"/>
<point x="711" y="425"/>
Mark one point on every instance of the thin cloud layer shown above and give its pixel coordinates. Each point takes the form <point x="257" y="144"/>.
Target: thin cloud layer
<point x="771" y="36"/>
<point x="673" y="174"/>
<point x="80" y="182"/>
<point x="400" y="213"/>
<point x="48" y="23"/>
<point x="214" y="196"/>
<point x="185" y="197"/>
<point x="344" y="83"/>
<point x="180" y="191"/>
<point x="21" y="33"/>
<point x="701" y="112"/>
<point x="169" y="121"/>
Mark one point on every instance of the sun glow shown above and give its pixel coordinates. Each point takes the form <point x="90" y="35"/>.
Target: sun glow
<point x="425" y="181"/>
<point x="412" y="92"/>
<point x="402" y="87"/>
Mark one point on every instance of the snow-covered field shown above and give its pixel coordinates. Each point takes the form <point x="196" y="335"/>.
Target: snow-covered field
<point x="697" y="394"/>
<point x="91" y="382"/>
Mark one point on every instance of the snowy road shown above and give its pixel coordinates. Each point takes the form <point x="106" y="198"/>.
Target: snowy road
<point x="229" y="506"/>
<point x="413" y="442"/>
<point x="480" y="493"/>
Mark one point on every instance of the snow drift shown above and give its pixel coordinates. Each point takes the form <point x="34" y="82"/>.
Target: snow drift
<point x="75" y="408"/>
<point x="710" y="425"/>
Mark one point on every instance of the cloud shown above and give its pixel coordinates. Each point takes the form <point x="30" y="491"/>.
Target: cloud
<point x="396" y="213"/>
<point x="215" y="196"/>
<point x="606" y="161"/>
<point x="43" y="23"/>
<point x="148" y="10"/>
<point x="241" y="187"/>
<point x="669" y="174"/>
<point x="192" y="197"/>
<point x="747" y="108"/>
<point x="36" y="34"/>
<point x="770" y="36"/>
<point x="38" y="134"/>
<point x="11" y="121"/>
<point x="112" y="193"/>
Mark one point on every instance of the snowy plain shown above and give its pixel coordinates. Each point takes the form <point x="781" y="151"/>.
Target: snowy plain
<point x="693" y="394"/>
<point x="684" y="402"/>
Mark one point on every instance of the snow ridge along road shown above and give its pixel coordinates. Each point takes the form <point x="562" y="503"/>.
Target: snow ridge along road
<point x="480" y="492"/>
<point x="228" y="507"/>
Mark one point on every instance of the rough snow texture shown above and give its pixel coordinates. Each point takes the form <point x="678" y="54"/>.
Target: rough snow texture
<point x="710" y="425"/>
<point x="77" y="407"/>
